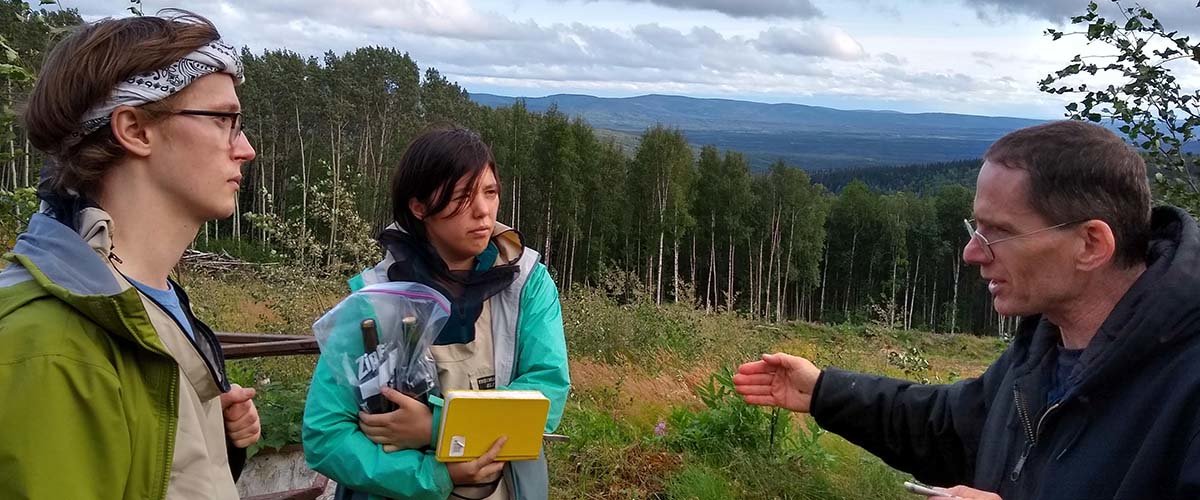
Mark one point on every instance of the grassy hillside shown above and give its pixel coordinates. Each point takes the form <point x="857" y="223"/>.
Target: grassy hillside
<point x="652" y="414"/>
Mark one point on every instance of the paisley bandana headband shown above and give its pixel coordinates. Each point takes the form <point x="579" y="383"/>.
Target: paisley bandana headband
<point x="145" y="88"/>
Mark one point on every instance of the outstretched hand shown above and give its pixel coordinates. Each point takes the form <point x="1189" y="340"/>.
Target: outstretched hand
<point x="963" y="492"/>
<point x="780" y="380"/>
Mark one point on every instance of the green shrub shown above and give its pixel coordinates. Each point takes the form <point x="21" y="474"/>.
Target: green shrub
<point x="280" y="402"/>
<point x="281" y="412"/>
<point x="727" y="423"/>
<point x="15" y="209"/>
<point x="599" y="328"/>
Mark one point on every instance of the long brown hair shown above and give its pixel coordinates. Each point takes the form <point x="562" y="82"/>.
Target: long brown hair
<point x="81" y="71"/>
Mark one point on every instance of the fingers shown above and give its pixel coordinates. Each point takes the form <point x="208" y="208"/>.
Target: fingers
<point x="245" y="437"/>
<point x="758" y="379"/>
<point x="481" y="470"/>
<point x="383" y="420"/>
<point x="753" y="390"/>
<point x="242" y="425"/>
<point x="237" y="411"/>
<point x="775" y="359"/>
<point x="787" y="361"/>
<point x="492" y="453"/>
<point x="755" y="367"/>
<point x="236" y="394"/>
<point x="247" y="418"/>
<point x="764" y="400"/>
<point x="376" y="420"/>
<point x="408" y="410"/>
<point x="376" y="434"/>
<point x="487" y="468"/>
<point x="402" y="401"/>
<point x="245" y="442"/>
<point x="389" y="448"/>
<point x="772" y="362"/>
<point x="490" y="472"/>
<point x="964" y="492"/>
<point x="244" y="432"/>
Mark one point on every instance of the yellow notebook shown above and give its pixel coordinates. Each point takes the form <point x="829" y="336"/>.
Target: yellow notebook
<point x="473" y="420"/>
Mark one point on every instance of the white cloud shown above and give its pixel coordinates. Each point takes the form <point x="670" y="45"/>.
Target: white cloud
<point x="819" y="41"/>
<point x="753" y="9"/>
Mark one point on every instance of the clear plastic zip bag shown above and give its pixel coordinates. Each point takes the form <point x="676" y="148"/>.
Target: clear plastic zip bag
<point x="379" y="336"/>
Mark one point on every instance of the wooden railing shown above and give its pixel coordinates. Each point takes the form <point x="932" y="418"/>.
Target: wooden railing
<point x="251" y="345"/>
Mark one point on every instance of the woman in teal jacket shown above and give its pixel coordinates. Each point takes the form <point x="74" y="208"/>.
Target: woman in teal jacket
<point x="504" y="332"/>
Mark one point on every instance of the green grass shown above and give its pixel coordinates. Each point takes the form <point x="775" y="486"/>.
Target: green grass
<point x="698" y="482"/>
<point x="652" y="414"/>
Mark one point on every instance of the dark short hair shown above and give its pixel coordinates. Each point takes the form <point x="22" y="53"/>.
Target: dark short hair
<point x="1082" y="171"/>
<point x="83" y="69"/>
<point x="432" y="165"/>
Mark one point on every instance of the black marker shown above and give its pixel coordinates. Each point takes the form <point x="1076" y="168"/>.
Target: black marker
<point x="370" y="336"/>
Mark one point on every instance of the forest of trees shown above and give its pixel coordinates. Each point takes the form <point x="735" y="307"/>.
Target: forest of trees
<point x="922" y="178"/>
<point x="653" y="222"/>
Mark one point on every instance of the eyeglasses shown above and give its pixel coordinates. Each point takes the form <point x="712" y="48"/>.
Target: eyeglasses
<point x="986" y="245"/>
<point x="236" y="125"/>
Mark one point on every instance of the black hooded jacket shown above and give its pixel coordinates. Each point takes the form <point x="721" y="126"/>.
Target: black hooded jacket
<point x="1126" y="429"/>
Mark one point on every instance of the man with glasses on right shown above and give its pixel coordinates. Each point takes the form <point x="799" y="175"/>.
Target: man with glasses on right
<point x="1098" y="395"/>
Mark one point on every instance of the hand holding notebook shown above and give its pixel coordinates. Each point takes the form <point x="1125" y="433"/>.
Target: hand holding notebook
<point x="482" y="470"/>
<point x="473" y="420"/>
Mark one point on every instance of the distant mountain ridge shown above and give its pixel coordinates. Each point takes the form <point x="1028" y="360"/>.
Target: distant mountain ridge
<point x="811" y="137"/>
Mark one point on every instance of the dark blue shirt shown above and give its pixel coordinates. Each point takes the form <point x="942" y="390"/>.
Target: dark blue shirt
<point x="1067" y="359"/>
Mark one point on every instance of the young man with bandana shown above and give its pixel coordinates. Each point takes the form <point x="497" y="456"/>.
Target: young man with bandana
<point x="112" y="387"/>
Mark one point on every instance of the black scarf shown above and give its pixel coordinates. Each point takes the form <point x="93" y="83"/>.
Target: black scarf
<point x="418" y="262"/>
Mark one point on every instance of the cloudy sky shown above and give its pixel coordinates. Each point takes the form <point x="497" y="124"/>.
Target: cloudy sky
<point x="962" y="56"/>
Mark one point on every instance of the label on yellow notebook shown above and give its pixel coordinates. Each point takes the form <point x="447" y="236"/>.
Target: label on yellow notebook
<point x="473" y="420"/>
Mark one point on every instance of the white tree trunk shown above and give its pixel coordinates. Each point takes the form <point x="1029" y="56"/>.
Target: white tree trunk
<point x="892" y="298"/>
<point x="770" y="283"/>
<point x="913" y="295"/>
<point x="675" y="268"/>
<point x="787" y="270"/>
<point x="546" y="246"/>
<point x="333" y="225"/>
<point x="304" y="186"/>
<point x="662" y="235"/>
<point x="850" y="279"/>
<point x="933" y="308"/>
<point x="710" y="286"/>
<point x="954" y="304"/>
<point x="729" y="294"/>
<point x="25" y="160"/>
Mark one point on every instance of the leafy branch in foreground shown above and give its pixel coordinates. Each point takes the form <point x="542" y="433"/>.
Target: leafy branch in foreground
<point x="1146" y="99"/>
